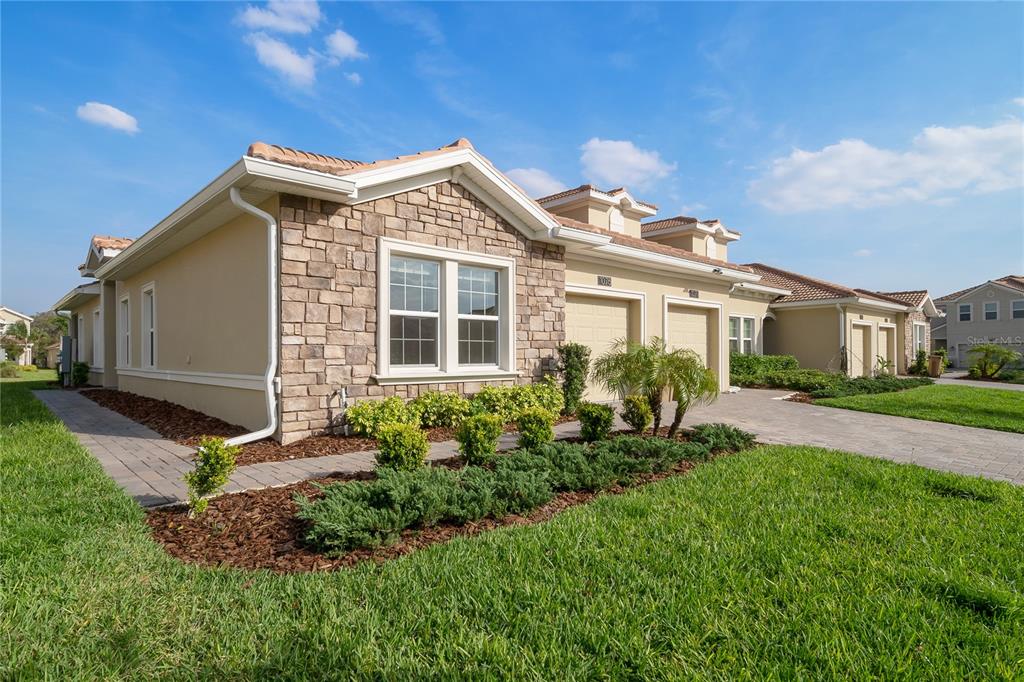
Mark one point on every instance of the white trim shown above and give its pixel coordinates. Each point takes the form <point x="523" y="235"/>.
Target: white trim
<point x="913" y="340"/>
<point x="1012" y="301"/>
<point x="674" y="264"/>
<point x="448" y="367"/>
<point x="751" y="288"/>
<point x="669" y="300"/>
<point x="77" y="296"/>
<point x="980" y="286"/>
<point x="984" y="313"/>
<point x="895" y="345"/>
<point x="27" y="318"/>
<point x="97" y="338"/>
<point x="970" y="308"/>
<point x="719" y="230"/>
<point x="755" y="346"/>
<point x="617" y="294"/>
<point x="850" y="300"/>
<point x="253" y="382"/>
<point x="619" y="199"/>
<point x="124" y="331"/>
<point x="150" y="354"/>
<point x="79" y="337"/>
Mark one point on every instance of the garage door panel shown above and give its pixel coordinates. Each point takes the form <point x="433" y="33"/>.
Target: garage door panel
<point x="596" y="323"/>
<point x="689" y="328"/>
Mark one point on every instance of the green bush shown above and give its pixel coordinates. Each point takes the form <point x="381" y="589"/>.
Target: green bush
<point x="920" y="364"/>
<point x="595" y="421"/>
<point x="401" y="446"/>
<point x="636" y="412"/>
<point x="445" y="410"/>
<point x="366" y="417"/>
<point x="743" y="364"/>
<point x="991" y="358"/>
<point x="721" y="437"/>
<point x="8" y="370"/>
<point x="214" y="461"/>
<point x="509" y="401"/>
<point x="478" y="437"/>
<point x="534" y="426"/>
<point x="944" y="356"/>
<point x="660" y="452"/>
<point x="79" y="373"/>
<point x="28" y="368"/>
<point x="883" y="383"/>
<point x="805" y="380"/>
<point x="575" y="367"/>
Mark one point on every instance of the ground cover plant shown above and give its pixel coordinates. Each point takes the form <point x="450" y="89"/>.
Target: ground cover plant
<point x="782" y="371"/>
<point x="779" y="562"/>
<point x="988" y="408"/>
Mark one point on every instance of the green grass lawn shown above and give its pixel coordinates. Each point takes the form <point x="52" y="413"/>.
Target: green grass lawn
<point x="778" y="562"/>
<point x="988" y="408"/>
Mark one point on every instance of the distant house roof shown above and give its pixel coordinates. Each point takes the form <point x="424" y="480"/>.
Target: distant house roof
<point x="336" y="165"/>
<point x="914" y="298"/>
<point x="806" y="288"/>
<point x="1011" y="281"/>
<point x="106" y="242"/>
<point x="14" y="312"/>
<point x="610" y="193"/>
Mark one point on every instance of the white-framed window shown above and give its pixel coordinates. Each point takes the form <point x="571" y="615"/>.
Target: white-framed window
<point x="124" y="337"/>
<point x="97" y="339"/>
<point x="444" y="312"/>
<point x="149" y="349"/>
<point x="919" y="336"/>
<point x="990" y="311"/>
<point x="964" y="312"/>
<point x="741" y="334"/>
<point x="1017" y="309"/>
<point x="80" y="338"/>
<point x="616" y="221"/>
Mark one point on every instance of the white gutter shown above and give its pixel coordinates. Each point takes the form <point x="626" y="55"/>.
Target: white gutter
<point x="270" y="382"/>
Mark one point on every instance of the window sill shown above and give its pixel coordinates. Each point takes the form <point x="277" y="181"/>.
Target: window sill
<point x="434" y="377"/>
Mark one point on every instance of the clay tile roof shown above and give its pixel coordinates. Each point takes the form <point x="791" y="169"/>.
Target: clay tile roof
<point x="105" y="242"/>
<point x="678" y="221"/>
<point x="915" y="297"/>
<point x="806" y="288"/>
<point x="647" y="245"/>
<point x="590" y="188"/>
<point x="1012" y="281"/>
<point x="336" y="165"/>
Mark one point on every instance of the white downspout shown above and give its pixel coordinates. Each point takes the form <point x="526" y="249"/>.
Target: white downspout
<point x="270" y="382"/>
<point x="842" y="338"/>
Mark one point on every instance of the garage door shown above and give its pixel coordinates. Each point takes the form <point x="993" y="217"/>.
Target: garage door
<point x="887" y="346"/>
<point x="597" y="323"/>
<point x="688" y="328"/>
<point x="859" y="350"/>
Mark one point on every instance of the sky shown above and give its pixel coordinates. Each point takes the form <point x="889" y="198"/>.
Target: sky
<point x="874" y="145"/>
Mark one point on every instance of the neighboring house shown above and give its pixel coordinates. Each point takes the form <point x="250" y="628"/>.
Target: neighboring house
<point x="296" y="281"/>
<point x="51" y="356"/>
<point x="10" y="316"/>
<point x="991" y="312"/>
<point x="837" y="328"/>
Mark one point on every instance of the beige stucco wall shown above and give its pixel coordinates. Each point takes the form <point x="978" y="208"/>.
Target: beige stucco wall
<point x="875" y="318"/>
<point x="656" y="285"/>
<point x="211" y="318"/>
<point x="809" y="334"/>
<point x="697" y="243"/>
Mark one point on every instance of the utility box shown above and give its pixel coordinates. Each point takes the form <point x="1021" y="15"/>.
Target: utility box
<point x="64" y="364"/>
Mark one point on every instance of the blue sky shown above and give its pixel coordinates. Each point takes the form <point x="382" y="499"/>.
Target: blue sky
<point x="876" y="145"/>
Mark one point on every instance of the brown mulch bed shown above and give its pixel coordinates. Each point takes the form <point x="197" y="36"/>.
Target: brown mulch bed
<point x="258" y="529"/>
<point x="801" y="398"/>
<point x="187" y="427"/>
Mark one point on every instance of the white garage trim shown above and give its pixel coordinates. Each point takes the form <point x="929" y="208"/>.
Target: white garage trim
<point x="668" y="300"/>
<point x="620" y="294"/>
<point x="895" y="344"/>
<point x="872" y="342"/>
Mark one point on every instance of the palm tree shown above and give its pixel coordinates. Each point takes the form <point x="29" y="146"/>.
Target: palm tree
<point x="651" y="370"/>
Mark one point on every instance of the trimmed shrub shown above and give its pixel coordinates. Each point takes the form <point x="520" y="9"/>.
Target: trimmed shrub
<point x="743" y="364"/>
<point x="636" y="412"/>
<point x="575" y="366"/>
<point x="214" y="461"/>
<point x="534" y="425"/>
<point x="990" y="358"/>
<point x="28" y="368"/>
<point x="8" y="370"/>
<point x="722" y="437"/>
<point x="805" y="380"/>
<point x="595" y="421"/>
<point x="660" y="452"/>
<point x="883" y="383"/>
<point x="920" y="364"/>
<point x="509" y="401"/>
<point x="368" y="416"/>
<point x="445" y="410"/>
<point x="401" y="446"/>
<point x="79" y="373"/>
<point x="478" y="437"/>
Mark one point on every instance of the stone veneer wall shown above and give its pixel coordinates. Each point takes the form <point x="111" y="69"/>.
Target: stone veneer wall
<point x="908" y="337"/>
<point x="329" y="294"/>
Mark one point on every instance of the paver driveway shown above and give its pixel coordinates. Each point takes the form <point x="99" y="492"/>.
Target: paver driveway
<point x="150" y="467"/>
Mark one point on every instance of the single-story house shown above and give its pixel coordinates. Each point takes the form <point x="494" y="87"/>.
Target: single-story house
<point x="9" y="316"/>
<point x="832" y="327"/>
<point x="295" y="282"/>
<point x="990" y="312"/>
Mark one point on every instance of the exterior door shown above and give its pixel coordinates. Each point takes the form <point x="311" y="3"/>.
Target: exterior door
<point x="887" y="346"/>
<point x="860" y="351"/>
<point x="688" y="328"/>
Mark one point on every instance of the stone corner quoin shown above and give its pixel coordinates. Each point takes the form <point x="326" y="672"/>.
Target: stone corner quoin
<point x="329" y="293"/>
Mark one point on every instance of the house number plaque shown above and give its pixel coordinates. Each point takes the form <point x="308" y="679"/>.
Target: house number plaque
<point x="604" y="281"/>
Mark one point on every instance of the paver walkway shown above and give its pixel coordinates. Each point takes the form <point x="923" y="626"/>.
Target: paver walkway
<point x="150" y="467"/>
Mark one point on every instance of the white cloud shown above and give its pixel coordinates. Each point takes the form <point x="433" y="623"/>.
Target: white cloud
<point x="940" y="164"/>
<point x="692" y="209"/>
<point x="536" y="182"/>
<point x="354" y="78"/>
<point x="620" y="162"/>
<point x="101" y="114"/>
<point x="280" y="57"/>
<point x="282" y="16"/>
<point x="862" y="253"/>
<point x="342" y="46"/>
<point x="1019" y="101"/>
